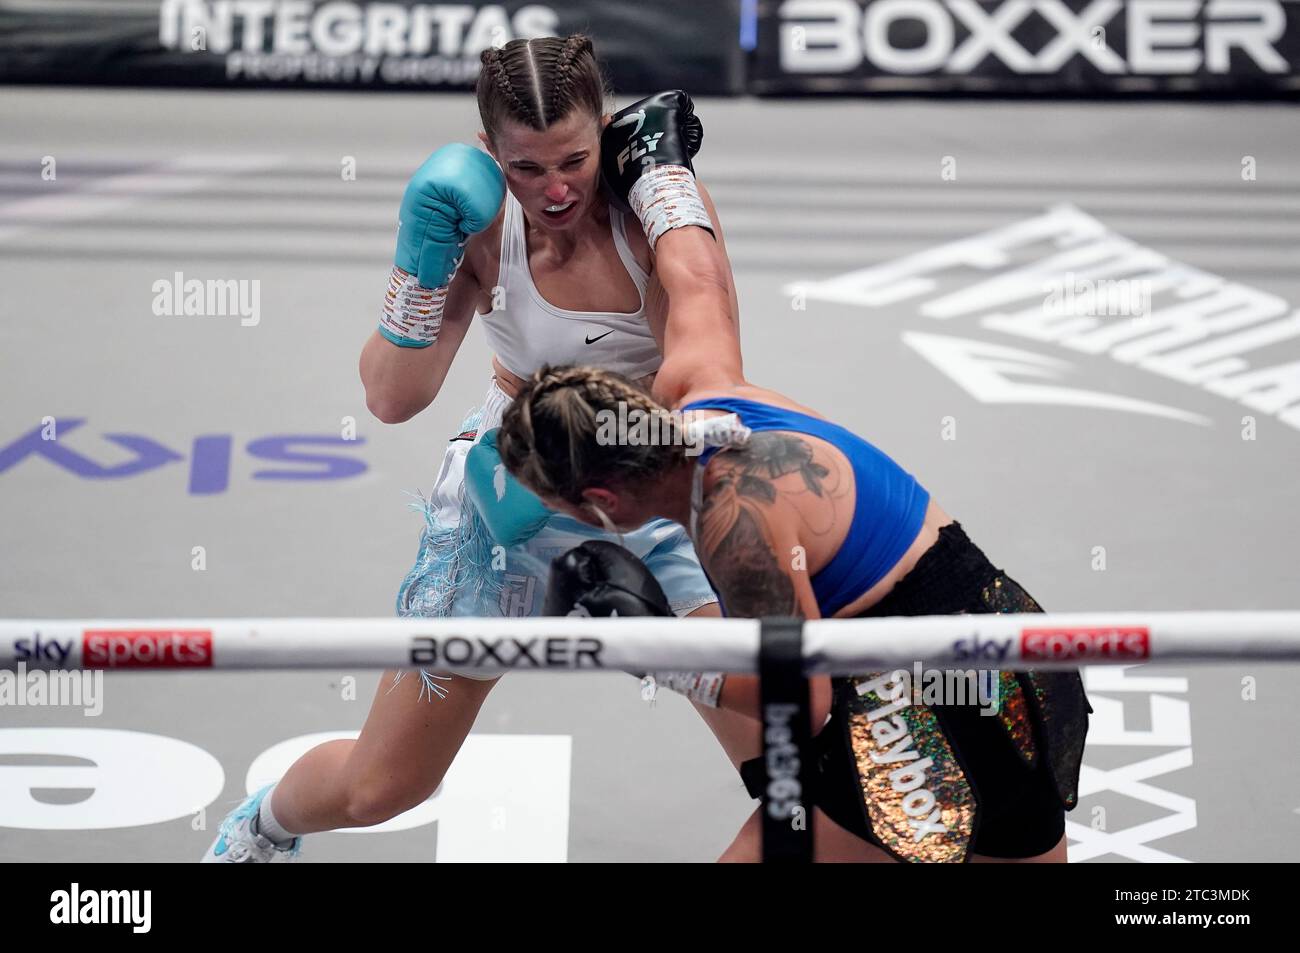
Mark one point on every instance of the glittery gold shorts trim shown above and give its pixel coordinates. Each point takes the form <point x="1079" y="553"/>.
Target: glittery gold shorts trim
<point x="919" y="800"/>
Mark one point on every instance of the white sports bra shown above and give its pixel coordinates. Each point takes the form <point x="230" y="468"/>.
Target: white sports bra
<point x="529" y="331"/>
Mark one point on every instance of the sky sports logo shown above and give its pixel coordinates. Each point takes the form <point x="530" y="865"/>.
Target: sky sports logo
<point x="1070" y="643"/>
<point x="120" y="648"/>
<point x="1103" y="642"/>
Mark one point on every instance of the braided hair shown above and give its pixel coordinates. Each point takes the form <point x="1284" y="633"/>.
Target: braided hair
<point x="555" y="436"/>
<point x="538" y="82"/>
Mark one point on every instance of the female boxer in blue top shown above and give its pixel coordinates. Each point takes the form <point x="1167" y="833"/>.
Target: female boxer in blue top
<point x="793" y="515"/>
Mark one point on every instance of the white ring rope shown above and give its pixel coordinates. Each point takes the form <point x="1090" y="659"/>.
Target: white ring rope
<point x="831" y="646"/>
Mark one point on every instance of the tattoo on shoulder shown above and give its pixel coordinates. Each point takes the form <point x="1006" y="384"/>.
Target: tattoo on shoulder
<point x="739" y="557"/>
<point x="766" y="458"/>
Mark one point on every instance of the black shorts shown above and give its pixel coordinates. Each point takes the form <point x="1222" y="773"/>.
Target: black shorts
<point x="1001" y="782"/>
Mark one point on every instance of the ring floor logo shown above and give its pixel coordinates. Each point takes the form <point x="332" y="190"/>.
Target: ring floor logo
<point x="505" y="798"/>
<point x="1164" y="812"/>
<point x="210" y="460"/>
<point x="1190" y="326"/>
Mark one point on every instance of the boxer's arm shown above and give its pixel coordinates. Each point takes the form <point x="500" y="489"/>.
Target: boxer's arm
<point x="749" y="545"/>
<point x="697" y="322"/>
<point x="455" y="194"/>
<point x="748" y="537"/>
<point x="646" y="152"/>
<point x="722" y="246"/>
<point x="400" y="381"/>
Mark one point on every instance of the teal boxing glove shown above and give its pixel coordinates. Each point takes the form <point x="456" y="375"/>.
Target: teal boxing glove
<point x="456" y="193"/>
<point x="512" y="513"/>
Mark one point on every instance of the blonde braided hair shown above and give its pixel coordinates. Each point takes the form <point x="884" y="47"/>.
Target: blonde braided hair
<point x="550" y="435"/>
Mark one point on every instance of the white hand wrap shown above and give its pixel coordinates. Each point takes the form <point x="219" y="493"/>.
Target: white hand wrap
<point x="704" y="688"/>
<point x="412" y="315"/>
<point x="666" y="198"/>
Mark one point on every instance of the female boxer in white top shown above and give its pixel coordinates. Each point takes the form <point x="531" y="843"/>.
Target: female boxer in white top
<point x="556" y="274"/>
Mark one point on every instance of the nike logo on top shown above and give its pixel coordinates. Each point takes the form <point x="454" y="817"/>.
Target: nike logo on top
<point x="593" y="340"/>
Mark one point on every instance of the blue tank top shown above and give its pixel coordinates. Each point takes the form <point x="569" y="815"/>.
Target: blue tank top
<point x="889" y="506"/>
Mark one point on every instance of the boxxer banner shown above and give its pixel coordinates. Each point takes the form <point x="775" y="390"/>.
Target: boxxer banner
<point x="1027" y="46"/>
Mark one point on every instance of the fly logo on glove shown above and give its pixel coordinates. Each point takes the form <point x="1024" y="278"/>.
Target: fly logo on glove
<point x="635" y="149"/>
<point x="659" y="189"/>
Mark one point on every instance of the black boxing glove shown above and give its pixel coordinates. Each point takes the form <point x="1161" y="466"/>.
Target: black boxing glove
<point x="601" y="579"/>
<point x="660" y="130"/>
